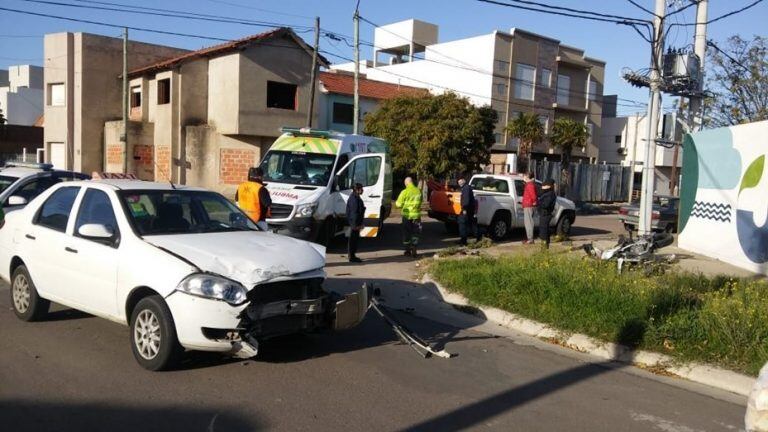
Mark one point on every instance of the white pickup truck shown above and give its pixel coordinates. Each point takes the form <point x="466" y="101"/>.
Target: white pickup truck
<point x="499" y="205"/>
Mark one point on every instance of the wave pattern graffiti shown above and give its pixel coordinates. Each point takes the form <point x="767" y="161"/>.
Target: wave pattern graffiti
<point x="720" y="212"/>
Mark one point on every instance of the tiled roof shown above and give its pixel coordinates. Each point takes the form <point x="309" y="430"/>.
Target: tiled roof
<point x="344" y="83"/>
<point x="223" y="49"/>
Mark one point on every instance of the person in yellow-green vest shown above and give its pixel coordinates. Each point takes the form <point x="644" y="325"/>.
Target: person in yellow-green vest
<point x="409" y="201"/>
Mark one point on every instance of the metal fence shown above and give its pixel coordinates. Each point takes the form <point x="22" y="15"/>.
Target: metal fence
<point x="588" y="182"/>
<point x="17" y="157"/>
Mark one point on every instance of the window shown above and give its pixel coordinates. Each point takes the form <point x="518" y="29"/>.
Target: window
<point x="281" y="95"/>
<point x="497" y="138"/>
<point x="490" y="184"/>
<point x="56" y="94"/>
<point x="617" y="139"/>
<point x="298" y="167"/>
<point x="163" y="91"/>
<point x="519" y="187"/>
<point x="591" y="131"/>
<point x="96" y="208"/>
<point x="563" y="90"/>
<point x="135" y="96"/>
<point x="592" y="90"/>
<point x="365" y="171"/>
<point x="343" y="113"/>
<point x="160" y="212"/>
<point x="501" y="88"/>
<point x="502" y="66"/>
<point x="544" y="120"/>
<point x="546" y="78"/>
<point x="54" y="213"/>
<point x="35" y="187"/>
<point x="525" y="77"/>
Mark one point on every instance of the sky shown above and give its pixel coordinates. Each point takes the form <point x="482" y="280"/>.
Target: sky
<point x="21" y="36"/>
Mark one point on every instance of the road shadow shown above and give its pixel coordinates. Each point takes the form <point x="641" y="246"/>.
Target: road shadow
<point x="37" y="416"/>
<point x="477" y="413"/>
<point x="66" y="314"/>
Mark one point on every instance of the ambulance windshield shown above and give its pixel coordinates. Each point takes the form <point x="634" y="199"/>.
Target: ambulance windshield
<point x="298" y="167"/>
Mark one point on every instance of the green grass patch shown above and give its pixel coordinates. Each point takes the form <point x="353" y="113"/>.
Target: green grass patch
<point x="721" y="320"/>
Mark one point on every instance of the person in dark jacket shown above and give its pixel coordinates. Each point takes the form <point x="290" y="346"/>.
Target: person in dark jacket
<point x="547" y="201"/>
<point x="355" y="214"/>
<point x="467" y="221"/>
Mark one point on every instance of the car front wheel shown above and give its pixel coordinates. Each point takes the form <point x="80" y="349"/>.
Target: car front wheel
<point x="27" y="304"/>
<point x="153" y="335"/>
<point x="499" y="228"/>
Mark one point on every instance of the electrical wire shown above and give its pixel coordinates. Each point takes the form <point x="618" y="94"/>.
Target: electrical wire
<point x="728" y="56"/>
<point x="642" y="8"/>
<point x="257" y="9"/>
<point x="578" y="11"/>
<point x="554" y="10"/>
<point x="724" y="16"/>
<point x="166" y="13"/>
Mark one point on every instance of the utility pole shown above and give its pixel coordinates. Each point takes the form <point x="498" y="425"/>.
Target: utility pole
<point x="356" y="110"/>
<point x="313" y="75"/>
<point x="632" y="161"/>
<point x="125" y="101"/>
<point x="696" y="112"/>
<point x="654" y="105"/>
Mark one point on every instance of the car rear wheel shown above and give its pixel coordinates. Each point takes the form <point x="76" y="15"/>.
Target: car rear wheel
<point x="564" y="226"/>
<point x="27" y="304"/>
<point x="153" y="335"/>
<point x="499" y="228"/>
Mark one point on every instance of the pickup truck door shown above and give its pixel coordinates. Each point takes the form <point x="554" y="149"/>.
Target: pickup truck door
<point x="519" y="215"/>
<point x="368" y="170"/>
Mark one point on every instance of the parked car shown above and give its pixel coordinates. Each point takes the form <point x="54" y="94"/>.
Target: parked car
<point x="499" y="205"/>
<point x="664" y="215"/>
<point x="21" y="182"/>
<point x="183" y="267"/>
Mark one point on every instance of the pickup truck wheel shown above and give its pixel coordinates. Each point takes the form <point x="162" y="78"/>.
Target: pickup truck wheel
<point x="564" y="226"/>
<point x="153" y="335"/>
<point x="499" y="228"/>
<point x="27" y="304"/>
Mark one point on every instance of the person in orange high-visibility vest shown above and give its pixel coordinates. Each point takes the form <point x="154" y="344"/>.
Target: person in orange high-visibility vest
<point x="253" y="198"/>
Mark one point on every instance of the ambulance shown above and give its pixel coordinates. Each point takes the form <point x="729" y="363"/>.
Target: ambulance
<point x="310" y="174"/>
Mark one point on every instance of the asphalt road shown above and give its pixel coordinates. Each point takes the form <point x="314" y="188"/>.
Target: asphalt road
<point x="75" y="372"/>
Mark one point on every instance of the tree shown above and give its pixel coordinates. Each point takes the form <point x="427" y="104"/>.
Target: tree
<point x="738" y="80"/>
<point x="434" y="135"/>
<point x="2" y="118"/>
<point x="528" y="129"/>
<point x="567" y="134"/>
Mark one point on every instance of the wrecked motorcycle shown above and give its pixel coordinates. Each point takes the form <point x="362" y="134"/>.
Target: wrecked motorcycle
<point x="640" y="252"/>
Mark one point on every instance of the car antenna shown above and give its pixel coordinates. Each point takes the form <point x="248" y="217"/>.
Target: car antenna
<point x="162" y="171"/>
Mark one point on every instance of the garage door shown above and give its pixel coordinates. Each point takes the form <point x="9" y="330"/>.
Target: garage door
<point x="58" y="157"/>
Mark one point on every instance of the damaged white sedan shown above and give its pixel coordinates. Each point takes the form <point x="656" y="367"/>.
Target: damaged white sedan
<point x="183" y="267"/>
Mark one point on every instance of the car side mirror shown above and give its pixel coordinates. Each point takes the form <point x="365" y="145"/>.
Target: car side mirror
<point x="96" y="232"/>
<point x="16" y="200"/>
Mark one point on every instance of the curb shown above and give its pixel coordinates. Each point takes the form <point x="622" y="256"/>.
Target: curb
<point x="700" y="373"/>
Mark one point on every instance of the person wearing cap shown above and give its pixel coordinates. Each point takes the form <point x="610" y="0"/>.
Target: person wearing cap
<point x="547" y="201"/>
<point x="355" y="215"/>
<point x="467" y="217"/>
<point x="409" y="201"/>
<point x="253" y="198"/>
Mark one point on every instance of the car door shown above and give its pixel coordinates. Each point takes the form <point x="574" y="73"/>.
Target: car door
<point x="94" y="261"/>
<point x="368" y="170"/>
<point x="43" y="242"/>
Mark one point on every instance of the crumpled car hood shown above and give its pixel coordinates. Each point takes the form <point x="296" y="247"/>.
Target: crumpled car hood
<point x="247" y="257"/>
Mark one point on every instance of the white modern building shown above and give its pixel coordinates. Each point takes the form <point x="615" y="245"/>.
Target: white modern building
<point x="513" y="72"/>
<point x="21" y="94"/>
<point x="623" y="141"/>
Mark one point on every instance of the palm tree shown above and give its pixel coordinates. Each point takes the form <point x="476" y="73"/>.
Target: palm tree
<point x="566" y="135"/>
<point x="529" y="130"/>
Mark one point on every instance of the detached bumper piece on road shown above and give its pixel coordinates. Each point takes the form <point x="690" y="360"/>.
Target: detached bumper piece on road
<point x="295" y="306"/>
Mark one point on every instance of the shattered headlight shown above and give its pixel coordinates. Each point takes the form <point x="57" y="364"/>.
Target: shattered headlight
<point x="306" y="210"/>
<point x="214" y="287"/>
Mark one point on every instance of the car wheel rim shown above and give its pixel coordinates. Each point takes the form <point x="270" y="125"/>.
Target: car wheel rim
<point x="21" y="293"/>
<point x="146" y="334"/>
<point x="500" y="229"/>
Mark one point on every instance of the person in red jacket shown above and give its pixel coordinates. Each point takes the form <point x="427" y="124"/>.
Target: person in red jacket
<point x="530" y="201"/>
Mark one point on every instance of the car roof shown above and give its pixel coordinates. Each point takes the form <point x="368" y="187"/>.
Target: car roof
<point x="20" y="172"/>
<point x="130" y="184"/>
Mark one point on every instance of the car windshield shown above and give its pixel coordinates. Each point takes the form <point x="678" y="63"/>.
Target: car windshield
<point x="6" y="181"/>
<point x="158" y="212"/>
<point x="298" y="167"/>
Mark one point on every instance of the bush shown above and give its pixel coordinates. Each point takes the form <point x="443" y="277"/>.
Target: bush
<point x="692" y="317"/>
